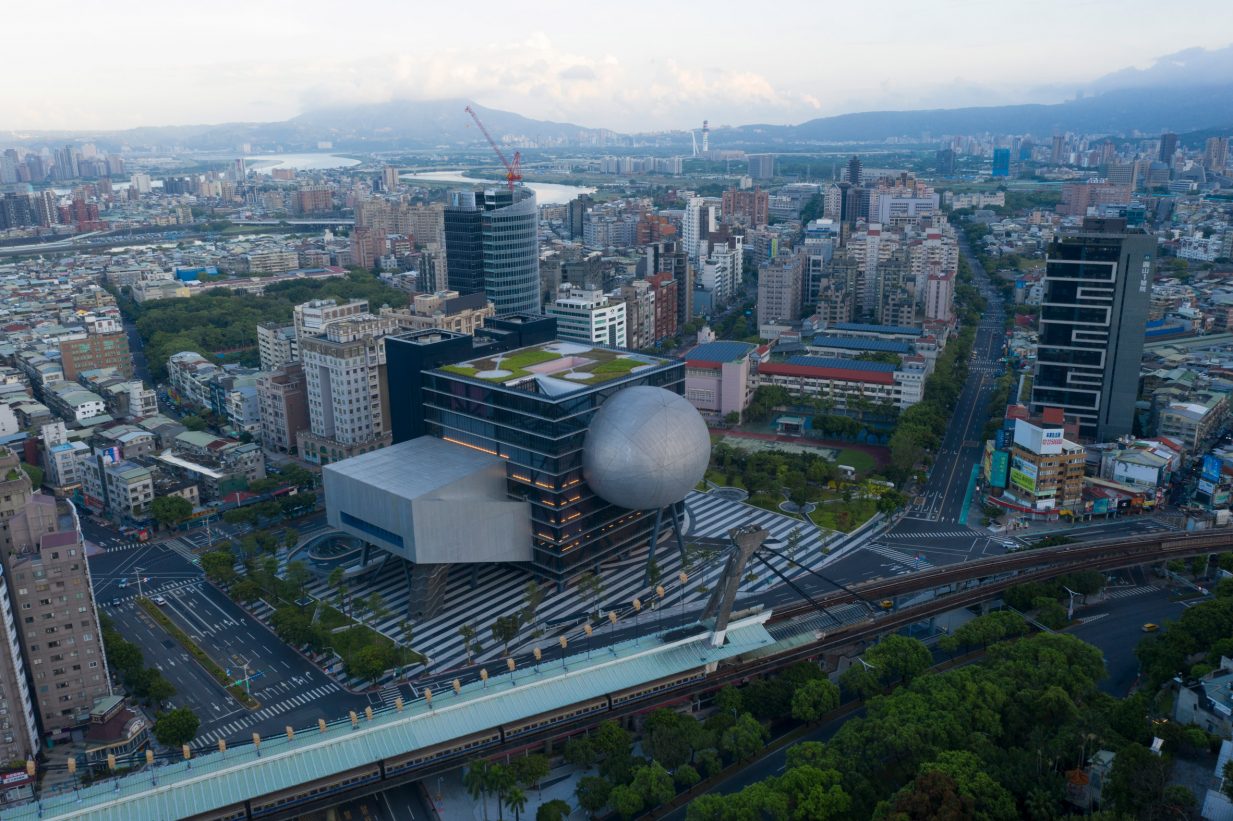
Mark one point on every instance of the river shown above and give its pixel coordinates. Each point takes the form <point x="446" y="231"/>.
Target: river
<point x="546" y="193"/>
<point x="265" y="163"/>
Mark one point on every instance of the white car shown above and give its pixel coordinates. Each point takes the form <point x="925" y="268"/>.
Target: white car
<point x="159" y="600"/>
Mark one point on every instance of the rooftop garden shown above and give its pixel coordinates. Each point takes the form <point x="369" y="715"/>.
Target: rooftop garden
<point x="569" y="361"/>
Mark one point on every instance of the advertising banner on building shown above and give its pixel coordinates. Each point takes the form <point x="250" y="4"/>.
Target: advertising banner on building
<point x="999" y="466"/>
<point x="1023" y="475"/>
<point x="1211" y="468"/>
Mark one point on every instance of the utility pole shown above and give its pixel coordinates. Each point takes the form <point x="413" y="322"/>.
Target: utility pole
<point x="140" y="595"/>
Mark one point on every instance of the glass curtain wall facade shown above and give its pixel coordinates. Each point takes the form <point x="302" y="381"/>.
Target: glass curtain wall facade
<point x="1092" y="321"/>
<point x="492" y="245"/>
<point x="541" y="437"/>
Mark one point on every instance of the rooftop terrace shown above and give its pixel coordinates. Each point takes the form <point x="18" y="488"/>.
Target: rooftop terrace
<point x="571" y="362"/>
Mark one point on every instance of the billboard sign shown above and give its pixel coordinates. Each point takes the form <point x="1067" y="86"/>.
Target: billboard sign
<point x="1042" y="441"/>
<point x="1023" y="475"/>
<point x="999" y="466"/>
<point x="1211" y="468"/>
<point x="1206" y="487"/>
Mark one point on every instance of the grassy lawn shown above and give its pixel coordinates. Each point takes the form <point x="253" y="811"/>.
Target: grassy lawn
<point x="461" y="370"/>
<point x="719" y="478"/>
<point x="858" y="459"/>
<point x="846" y="516"/>
<point x="526" y="359"/>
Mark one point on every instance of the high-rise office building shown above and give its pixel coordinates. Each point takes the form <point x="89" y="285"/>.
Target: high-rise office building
<point x="1097" y="290"/>
<point x="945" y="161"/>
<point x="1001" y="162"/>
<point x="1058" y="155"/>
<point x="855" y="172"/>
<point x="492" y="245"/>
<point x="701" y="218"/>
<point x="761" y="166"/>
<point x="1216" y="154"/>
<point x="1168" y="147"/>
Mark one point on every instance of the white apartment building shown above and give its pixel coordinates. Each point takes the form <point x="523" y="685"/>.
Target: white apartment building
<point x="276" y="345"/>
<point x="720" y="273"/>
<point x="701" y="218"/>
<point x="587" y="315"/>
<point x="310" y="318"/>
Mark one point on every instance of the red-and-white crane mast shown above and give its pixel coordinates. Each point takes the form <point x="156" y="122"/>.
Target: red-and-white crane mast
<point x="513" y="170"/>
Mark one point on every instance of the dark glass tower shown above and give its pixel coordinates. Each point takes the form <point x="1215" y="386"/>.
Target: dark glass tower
<point x="1093" y="317"/>
<point x="492" y="245"/>
<point x="538" y="425"/>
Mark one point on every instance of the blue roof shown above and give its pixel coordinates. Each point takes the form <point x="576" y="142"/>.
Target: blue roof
<point x="888" y="345"/>
<point x="902" y="330"/>
<point x="836" y="362"/>
<point x="721" y="350"/>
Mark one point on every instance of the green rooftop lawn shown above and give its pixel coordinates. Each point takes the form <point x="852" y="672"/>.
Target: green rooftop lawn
<point x="526" y="359"/>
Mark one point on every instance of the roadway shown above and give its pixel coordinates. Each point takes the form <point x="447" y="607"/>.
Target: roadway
<point x="290" y="689"/>
<point x="942" y="500"/>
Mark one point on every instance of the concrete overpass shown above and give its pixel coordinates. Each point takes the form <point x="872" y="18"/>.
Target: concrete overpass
<point x="283" y="777"/>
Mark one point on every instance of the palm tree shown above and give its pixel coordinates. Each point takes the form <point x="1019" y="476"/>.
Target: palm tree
<point x="476" y="782"/>
<point x="516" y="800"/>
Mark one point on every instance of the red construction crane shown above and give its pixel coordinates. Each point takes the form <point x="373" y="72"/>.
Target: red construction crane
<point x="513" y="170"/>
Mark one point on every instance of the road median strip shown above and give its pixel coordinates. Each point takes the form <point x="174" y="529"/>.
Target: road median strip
<point x="212" y="667"/>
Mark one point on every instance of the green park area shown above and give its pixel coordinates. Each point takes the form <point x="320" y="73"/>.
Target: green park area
<point x="999" y="722"/>
<point x="219" y="324"/>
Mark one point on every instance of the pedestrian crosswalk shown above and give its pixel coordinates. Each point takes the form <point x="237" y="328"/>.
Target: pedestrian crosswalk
<point x="898" y="556"/>
<point x="935" y="534"/>
<point x="130" y="594"/>
<point x="269" y="711"/>
<point x="183" y="548"/>
<point x="389" y="694"/>
<point x="1126" y="592"/>
<point x="120" y="548"/>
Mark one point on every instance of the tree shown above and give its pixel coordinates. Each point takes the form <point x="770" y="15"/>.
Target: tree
<point x="368" y="663"/>
<point x="653" y="784"/>
<point x="529" y="770"/>
<point x="123" y="656"/>
<point x="170" y="511"/>
<point x="592" y="587"/>
<point x="298" y="576"/>
<point x="1138" y="779"/>
<point x="193" y="422"/>
<point x="685" y="777"/>
<point x="476" y="781"/>
<point x="814" y="699"/>
<point x="505" y="629"/>
<point x="793" y="543"/>
<point x="1226" y="786"/>
<point x="516" y="800"/>
<point x="554" y="810"/>
<point x="625" y="801"/>
<point x="932" y="796"/>
<point x="467" y="632"/>
<point x="158" y="689"/>
<point x="219" y="566"/>
<point x="375" y="605"/>
<point x="532" y="598"/>
<point x="668" y="736"/>
<point x="743" y="739"/>
<point x="592" y="792"/>
<point x="176" y="728"/>
<point x="580" y="752"/>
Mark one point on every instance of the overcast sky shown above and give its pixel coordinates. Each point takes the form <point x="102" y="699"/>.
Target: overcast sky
<point x="629" y="66"/>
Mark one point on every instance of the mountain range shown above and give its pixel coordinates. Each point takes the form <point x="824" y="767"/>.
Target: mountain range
<point x="1188" y="91"/>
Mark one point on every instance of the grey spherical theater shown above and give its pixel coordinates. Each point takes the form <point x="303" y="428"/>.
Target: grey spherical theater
<point x="646" y="449"/>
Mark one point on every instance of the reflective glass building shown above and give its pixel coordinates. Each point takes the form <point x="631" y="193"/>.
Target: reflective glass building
<point x="492" y="245"/>
<point x="532" y="408"/>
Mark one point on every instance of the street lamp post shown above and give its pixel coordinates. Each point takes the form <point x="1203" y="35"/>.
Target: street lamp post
<point x="659" y="607"/>
<point x="684" y="579"/>
<point x="637" y="604"/>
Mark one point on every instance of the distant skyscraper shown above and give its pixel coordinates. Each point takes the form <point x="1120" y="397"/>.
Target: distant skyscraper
<point x="1097" y="289"/>
<point x="1058" y="155"/>
<point x="946" y="161"/>
<point x="855" y="174"/>
<point x="1001" y="162"/>
<point x="1216" y="154"/>
<point x="1168" y="147"/>
<point x="761" y="166"/>
<point x="492" y="245"/>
